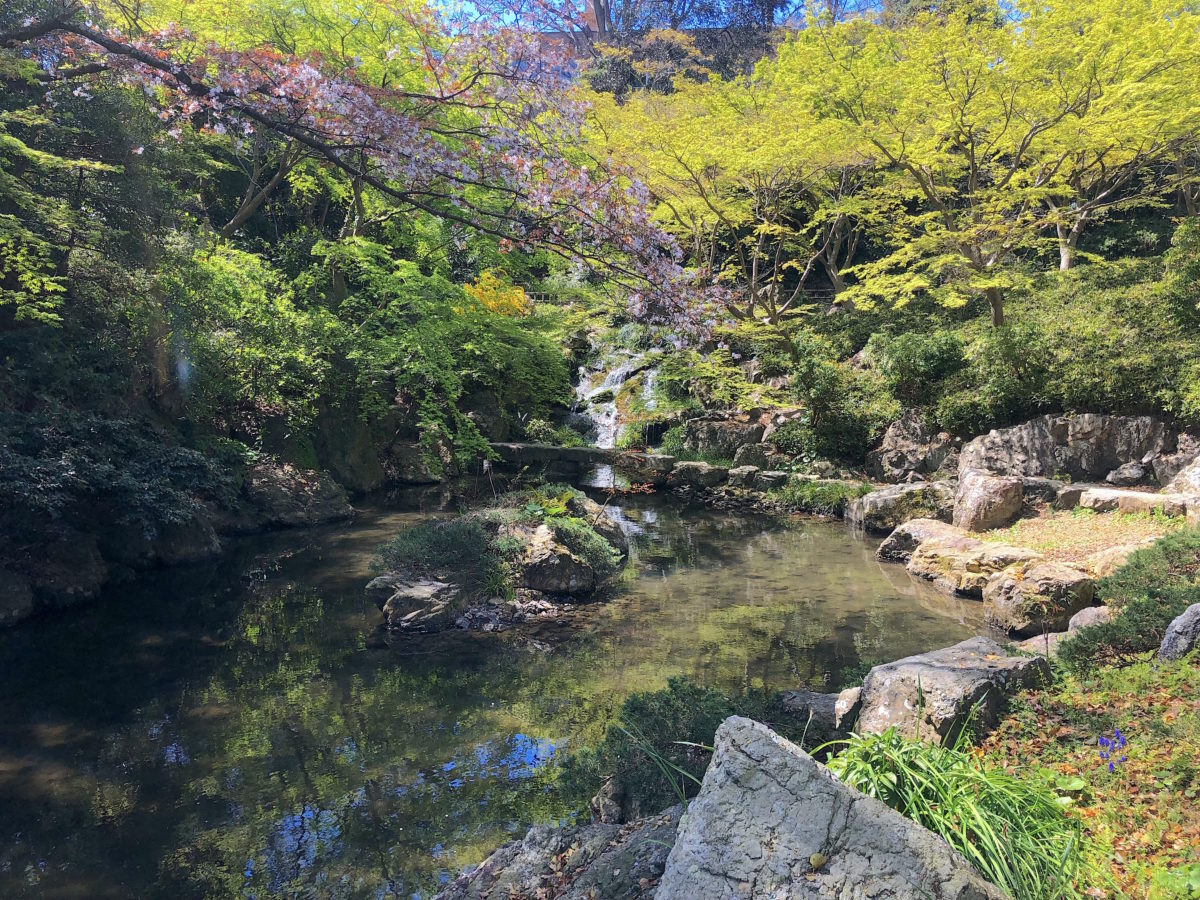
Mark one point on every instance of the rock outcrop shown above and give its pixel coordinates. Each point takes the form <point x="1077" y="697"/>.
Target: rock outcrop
<point x="286" y="495"/>
<point x="1030" y="599"/>
<point x="911" y="450"/>
<point x="1183" y="635"/>
<point x="964" y="565"/>
<point x="933" y="694"/>
<point x="585" y="862"/>
<point x="900" y="544"/>
<point x="697" y="475"/>
<point x="720" y="437"/>
<point x="1111" y="499"/>
<point x="771" y="822"/>
<point x="414" y="604"/>
<point x="1085" y="447"/>
<point x="882" y="510"/>
<point x="1186" y="480"/>
<point x="984" y="501"/>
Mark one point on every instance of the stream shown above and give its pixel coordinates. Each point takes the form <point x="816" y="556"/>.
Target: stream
<point x="245" y="729"/>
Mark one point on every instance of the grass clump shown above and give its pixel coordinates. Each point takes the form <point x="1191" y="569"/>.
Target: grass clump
<point x="826" y="498"/>
<point x="1013" y="830"/>
<point x="583" y="540"/>
<point x="1152" y="588"/>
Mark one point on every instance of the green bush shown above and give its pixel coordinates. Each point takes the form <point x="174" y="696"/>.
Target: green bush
<point x="583" y="540"/>
<point x="1156" y="585"/>
<point x="913" y="363"/>
<point x="1013" y="829"/>
<point x="826" y="498"/>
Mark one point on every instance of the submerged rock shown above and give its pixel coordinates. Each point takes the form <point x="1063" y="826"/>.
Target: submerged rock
<point x="585" y="862"/>
<point x="882" y="510"/>
<point x="772" y="822"/>
<point x="931" y="695"/>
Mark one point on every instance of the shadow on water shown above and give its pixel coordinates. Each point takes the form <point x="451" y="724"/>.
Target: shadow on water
<point x="243" y="729"/>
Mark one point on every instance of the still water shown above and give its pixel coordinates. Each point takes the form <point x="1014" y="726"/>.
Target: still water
<point x="244" y="729"/>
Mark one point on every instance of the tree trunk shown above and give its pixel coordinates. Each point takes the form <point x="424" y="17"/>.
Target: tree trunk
<point x="1068" y="240"/>
<point x="995" y="298"/>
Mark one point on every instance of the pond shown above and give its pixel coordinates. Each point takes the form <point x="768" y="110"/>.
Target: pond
<point x="244" y="729"/>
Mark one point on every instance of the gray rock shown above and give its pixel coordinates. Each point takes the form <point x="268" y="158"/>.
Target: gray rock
<point x="900" y="544"/>
<point x="743" y="476"/>
<point x="410" y="463"/>
<point x="1182" y="635"/>
<point x="983" y="501"/>
<point x="286" y="495"/>
<point x="1044" y="489"/>
<point x="963" y="565"/>
<point x="415" y="604"/>
<point x="720" y="437"/>
<point x="932" y="694"/>
<point x="1186" y="481"/>
<point x="550" y="567"/>
<point x="882" y="510"/>
<point x="847" y="708"/>
<point x="1030" y="599"/>
<point x="1168" y="466"/>
<point x="911" y="448"/>
<point x="1110" y="499"/>
<point x="772" y="822"/>
<point x="697" y="475"/>
<point x="772" y="479"/>
<point x="1127" y="475"/>
<point x="1068" y="496"/>
<point x="1093" y="615"/>
<point x="760" y="455"/>
<point x="1042" y="644"/>
<point x="646" y="468"/>
<point x="585" y="862"/>
<point x="1084" y="446"/>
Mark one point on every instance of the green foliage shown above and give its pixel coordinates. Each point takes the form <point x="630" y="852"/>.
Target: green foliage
<point x="1148" y="592"/>
<point x="826" y="498"/>
<point x="1014" y="830"/>
<point x="715" y="380"/>
<point x="913" y="363"/>
<point x="582" y="540"/>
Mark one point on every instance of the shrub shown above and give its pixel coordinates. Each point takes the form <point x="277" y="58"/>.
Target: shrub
<point x="913" y="363"/>
<point x="583" y="540"/>
<point x="461" y="545"/>
<point x="1156" y="585"/>
<point x="826" y="498"/>
<point x="1012" y="829"/>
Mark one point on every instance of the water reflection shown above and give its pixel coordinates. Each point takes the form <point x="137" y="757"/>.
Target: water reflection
<point x="242" y="729"/>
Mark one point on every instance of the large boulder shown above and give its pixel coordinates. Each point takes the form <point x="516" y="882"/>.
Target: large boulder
<point x="1182" y="636"/>
<point x="984" y="501"/>
<point x="900" y="544"/>
<point x="932" y="695"/>
<point x="1031" y="599"/>
<point x="720" y="437"/>
<point x="772" y="822"/>
<point x="582" y="862"/>
<point x="911" y="450"/>
<point x="743" y="476"/>
<point x="646" y="468"/>
<point x="1127" y="475"/>
<point x="963" y="565"/>
<point x="549" y="566"/>
<point x="71" y="570"/>
<point x="1186" y="480"/>
<point x="761" y="455"/>
<point x="1105" y="562"/>
<point x="286" y="495"/>
<point x="882" y="510"/>
<point x="1085" y="447"/>
<point x="410" y="463"/>
<point x="1092" y="615"/>
<point x="697" y="475"/>
<point x="1168" y="466"/>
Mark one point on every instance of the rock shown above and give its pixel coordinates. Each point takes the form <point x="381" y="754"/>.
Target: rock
<point x="605" y="807"/>
<point x="900" y="544"/>
<point x="1084" y="446"/>
<point x="911" y="448"/>
<point x="170" y="544"/>
<point x="882" y="510"/>
<point x="952" y="681"/>
<point x="1068" y="496"/>
<point x="1168" y="466"/>
<point x="1044" y="489"/>
<point x="602" y="523"/>
<point x="71" y="571"/>
<point x="1025" y="600"/>
<point x="820" y="709"/>
<point x="963" y="565"/>
<point x="1129" y="474"/>
<point x="410" y="463"/>
<point x="983" y="502"/>
<point x="720" y="437"/>
<point x="346" y="448"/>
<point x="1109" y="499"/>
<point x="286" y="495"/>
<point x="760" y="455"/>
<point x="743" y="476"/>
<point x="605" y="862"/>
<point x="1042" y="644"/>
<point x="646" y="468"/>
<point x="1093" y="615"/>
<point x="413" y="603"/>
<point x="1103" y="563"/>
<point x="1186" y="481"/>
<point x="697" y="475"/>
<point x="483" y="408"/>
<point x="550" y="567"/>
<point x="847" y="708"/>
<point x="1182" y="635"/>
<point x="16" y="597"/>
<point x="770" y="480"/>
<point x="772" y="822"/>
